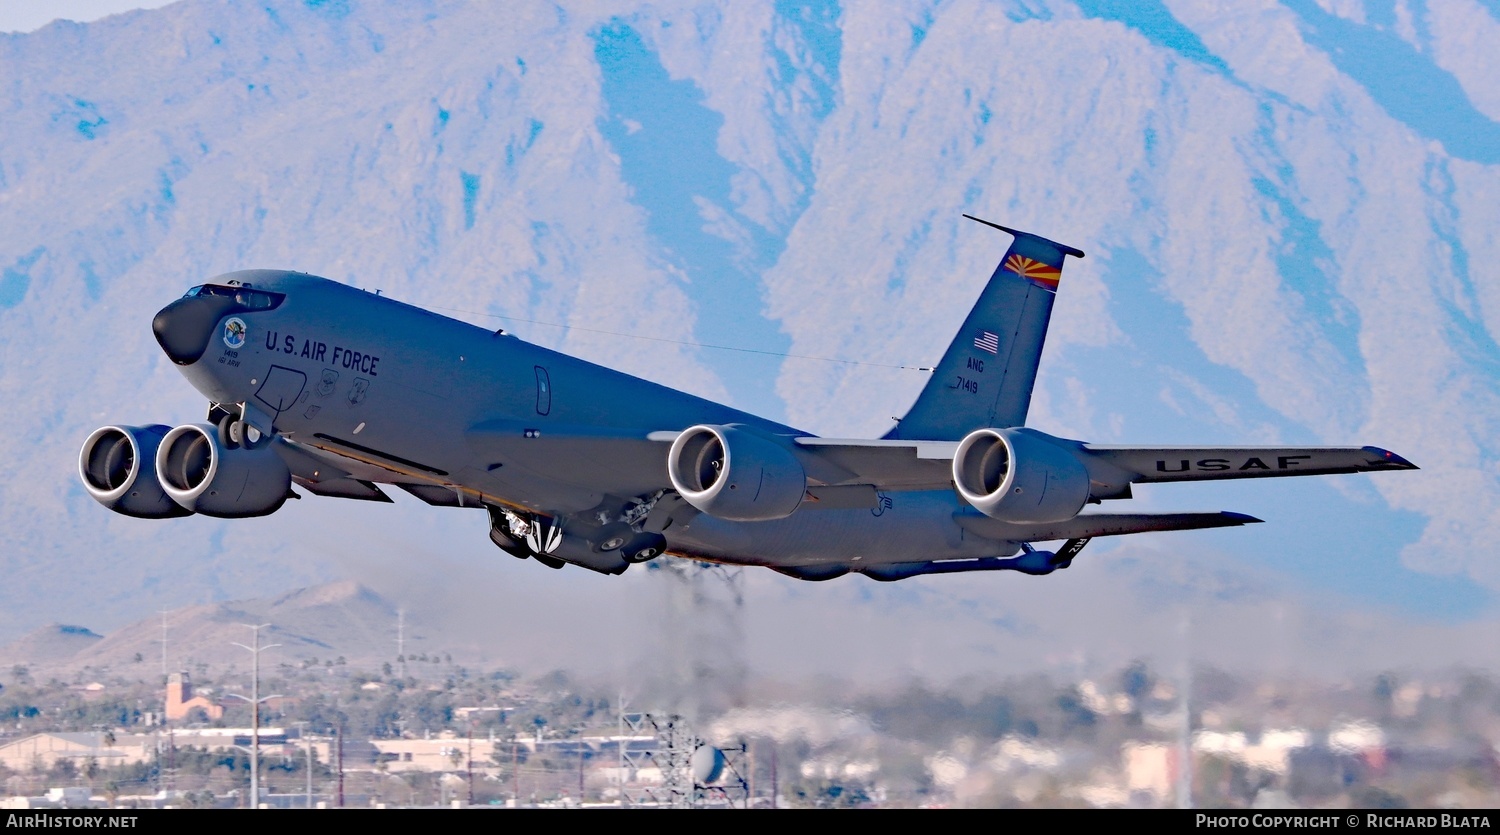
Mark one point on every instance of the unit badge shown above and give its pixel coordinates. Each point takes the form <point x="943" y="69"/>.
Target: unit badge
<point x="234" y="333"/>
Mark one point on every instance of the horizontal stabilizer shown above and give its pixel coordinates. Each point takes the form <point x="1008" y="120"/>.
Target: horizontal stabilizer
<point x="1118" y="466"/>
<point x="1088" y="525"/>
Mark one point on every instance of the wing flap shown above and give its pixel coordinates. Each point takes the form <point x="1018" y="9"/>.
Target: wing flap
<point x="845" y="497"/>
<point x="343" y="488"/>
<point x="1098" y="524"/>
<point x="886" y="464"/>
<point x="438" y="495"/>
<point x="619" y="462"/>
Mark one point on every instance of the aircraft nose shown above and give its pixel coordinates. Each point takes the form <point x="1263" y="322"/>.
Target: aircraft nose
<point x="184" y="327"/>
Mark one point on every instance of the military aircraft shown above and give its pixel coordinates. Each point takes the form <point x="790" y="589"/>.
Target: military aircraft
<point x="339" y="390"/>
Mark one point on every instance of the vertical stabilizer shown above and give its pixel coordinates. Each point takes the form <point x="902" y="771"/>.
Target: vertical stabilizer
<point x="985" y="377"/>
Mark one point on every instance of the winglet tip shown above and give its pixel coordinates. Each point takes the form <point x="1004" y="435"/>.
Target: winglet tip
<point x="1240" y="518"/>
<point x="1391" y="460"/>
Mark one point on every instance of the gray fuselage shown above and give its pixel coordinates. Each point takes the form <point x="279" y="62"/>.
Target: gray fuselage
<point x="396" y="394"/>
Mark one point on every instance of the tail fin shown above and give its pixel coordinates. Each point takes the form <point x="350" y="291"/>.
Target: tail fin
<point x="985" y="377"/>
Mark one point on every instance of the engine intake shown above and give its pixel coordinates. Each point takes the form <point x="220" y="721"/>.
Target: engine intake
<point x="1017" y="475"/>
<point x="736" y="474"/>
<point x="200" y="473"/>
<point x="117" y="468"/>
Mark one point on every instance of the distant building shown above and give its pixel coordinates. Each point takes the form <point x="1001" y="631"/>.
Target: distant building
<point x="181" y="701"/>
<point x="41" y="752"/>
<point x="1151" y="770"/>
<point x="90" y="692"/>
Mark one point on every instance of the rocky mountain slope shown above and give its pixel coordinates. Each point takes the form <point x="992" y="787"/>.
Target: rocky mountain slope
<point x="1288" y="209"/>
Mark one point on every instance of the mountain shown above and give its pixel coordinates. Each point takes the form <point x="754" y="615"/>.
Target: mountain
<point x="1288" y="210"/>
<point x="54" y="643"/>
<point x="334" y="620"/>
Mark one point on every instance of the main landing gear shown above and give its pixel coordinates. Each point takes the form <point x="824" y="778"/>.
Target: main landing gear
<point x="610" y="549"/>
<point x="634" y="547"/>
<point x="522" y="537"/>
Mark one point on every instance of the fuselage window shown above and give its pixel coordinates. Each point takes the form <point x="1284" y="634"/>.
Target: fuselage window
<point x="543" y="391"/>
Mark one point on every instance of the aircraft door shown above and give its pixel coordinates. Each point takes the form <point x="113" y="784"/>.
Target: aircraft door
<point x="543" y="391"/>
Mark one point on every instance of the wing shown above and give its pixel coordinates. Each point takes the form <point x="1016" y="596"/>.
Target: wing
<point x="845" y="472"/>
<point x="927" y="465"/>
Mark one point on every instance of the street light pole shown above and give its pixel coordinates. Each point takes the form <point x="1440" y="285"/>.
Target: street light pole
<point x="255" y="702"/>
<point x="307" y="749"/>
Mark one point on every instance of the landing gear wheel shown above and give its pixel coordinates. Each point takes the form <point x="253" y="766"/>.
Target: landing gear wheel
<point x="503" y="541"/>
<point x="612" y="537"/>
<point x="644" y="547"/>
<point x="550" y="562"/>
<point x="227" y="432"/>
<point x="235" y="433"/>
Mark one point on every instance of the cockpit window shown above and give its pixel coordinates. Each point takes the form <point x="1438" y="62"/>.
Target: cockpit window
<point x="245" y="297"/>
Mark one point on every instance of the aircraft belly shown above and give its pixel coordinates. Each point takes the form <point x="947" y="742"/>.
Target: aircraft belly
<point x="903" y="527"/>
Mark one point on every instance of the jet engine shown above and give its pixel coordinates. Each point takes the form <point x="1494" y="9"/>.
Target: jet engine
<point x="203" y="474"/>
<point x="1016" y="475"/>
<point x="732" y="473"/>
<point x="117" y="466"/>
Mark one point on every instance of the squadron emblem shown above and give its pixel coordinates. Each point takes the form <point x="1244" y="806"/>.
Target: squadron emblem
<point x="234" y="333"/>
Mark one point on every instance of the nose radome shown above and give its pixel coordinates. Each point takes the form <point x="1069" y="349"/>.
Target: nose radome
<point x="184" y="327"/>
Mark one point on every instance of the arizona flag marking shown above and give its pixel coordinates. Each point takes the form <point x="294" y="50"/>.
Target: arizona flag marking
<point x="1042" y="275"/>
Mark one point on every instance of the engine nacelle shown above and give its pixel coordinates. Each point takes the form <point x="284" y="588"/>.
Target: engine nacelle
<point x="1017" y="476"/>
<point x="118" y="467"/>
<point x="199" y="473"/>
<point x="735" y="474"/>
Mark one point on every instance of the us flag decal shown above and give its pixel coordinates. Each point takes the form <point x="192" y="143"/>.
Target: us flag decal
<point x="988" y="342"/>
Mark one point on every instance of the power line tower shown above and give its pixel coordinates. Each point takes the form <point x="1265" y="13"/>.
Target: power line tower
<point x="255" y="700"/>
<point x="693" y="772"/>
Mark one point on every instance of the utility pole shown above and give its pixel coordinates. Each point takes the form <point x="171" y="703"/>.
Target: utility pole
<point x="307" y="746"/>
<point x="774" y="787"/>
<point x="341" y="764"/>
<point x="164" y="644"/>
<point x="401" y="640"/>
<point x="255" y="701"/>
